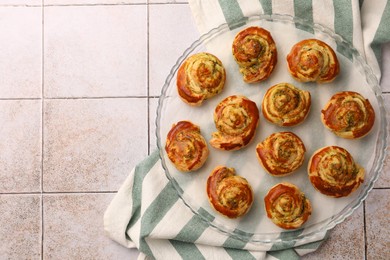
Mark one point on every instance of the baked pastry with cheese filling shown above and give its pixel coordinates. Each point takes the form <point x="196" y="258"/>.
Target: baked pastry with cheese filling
<point x="201" y="76"/>
<point x="313" y="60"/>
<point x="229" y="194"/>
<point x="349" y="115"/>
<point x="287" y="206"/>
<point x="333" y="172"/>
<point x="281" y="153"/>
<point x="286" y="105"/>
<point x="186" y="147"/>
<point x="255" y="52"/>
<point x="236" y="119"/>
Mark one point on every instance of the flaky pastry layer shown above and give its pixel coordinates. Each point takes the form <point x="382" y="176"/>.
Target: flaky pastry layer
<point x="186" y="147"/>
<point x="229" y="194"/>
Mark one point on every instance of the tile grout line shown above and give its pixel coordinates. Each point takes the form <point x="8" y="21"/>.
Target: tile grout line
<point x="147" y="75"/>
<point x="42" y="122"/>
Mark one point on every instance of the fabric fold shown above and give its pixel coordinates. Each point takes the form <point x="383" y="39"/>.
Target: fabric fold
<point x="161" y="225"/>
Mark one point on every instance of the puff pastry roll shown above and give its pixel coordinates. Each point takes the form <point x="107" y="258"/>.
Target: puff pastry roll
<point x="201" y="76"/>
<point x="349" y="115"/>
<point x="313" y="60"/>
<point x="229" y="194"/>
<point x="287" y="206"/>
<point x="186" y="147"/>
<point x="236" y="119"/>
<point x="255" y="52"/>
<point x="281" y="153"/>
<point x="285" y="105"/>
<point x="333" y="172"/>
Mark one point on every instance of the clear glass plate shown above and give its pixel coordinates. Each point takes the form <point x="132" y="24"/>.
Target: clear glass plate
<point x="369" y="151"/>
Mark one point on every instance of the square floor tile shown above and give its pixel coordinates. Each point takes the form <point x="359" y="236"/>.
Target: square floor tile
<point x="346" y="240"/>
<point x="93" y="2"/>
<point x="92" y="144"/>
<point x="95" y="51"/>
<point x="73" y="228"/>
<point x="21" y="145"/>
<point x="20" y="228"/>
<point x="21" y="2"/>
<point x="21" y="52"/>
<point x="377" y="224"/>
<point x="167" y="1"/>
<point x="168" y="40"/>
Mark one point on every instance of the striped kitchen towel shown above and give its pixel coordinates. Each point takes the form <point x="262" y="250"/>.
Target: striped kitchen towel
<point x="147" y="212"/>
<point x="363" y="23"/>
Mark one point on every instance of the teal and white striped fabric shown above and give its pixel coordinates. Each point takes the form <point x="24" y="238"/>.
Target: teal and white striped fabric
<point x="148" y="214"/>
<point x="364" y="23"/>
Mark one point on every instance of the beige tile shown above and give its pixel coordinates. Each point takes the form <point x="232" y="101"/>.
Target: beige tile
<point x="92" y="144"/>
<point x="73" y="228"/>
<point x="21" y="2"/>
<point x="20" y="228"/>
<point x="169" y="35"/>
<point x="21" y="145"/>
<point x="167" y="1"/>
<point x="21" y="52"/>
<point x="99" y="51"/>
<point x="384" y="177"/>
<point x="378" y="225"/>
<point x="90" y="2"/>
<point x="346" y="240"/>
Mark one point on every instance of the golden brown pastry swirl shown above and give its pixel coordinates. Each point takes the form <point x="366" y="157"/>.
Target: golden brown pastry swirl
<point x="255" y="52"/>
<point x="236" y="119"/>
<point x="201" y="76"/>
<point x="313" y="60"/>
<point x="287" y="206"/>
<point x="349" y="115"/>
<point x="333" y="172"/>
<point x="285" y="105"/>
<point x="229" y="194"/>
<point x="281" y="153"/>
<point x="186" y="147"/>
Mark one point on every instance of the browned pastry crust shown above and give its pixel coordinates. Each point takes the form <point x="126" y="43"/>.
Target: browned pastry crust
<point x="255" y="52"/>
<point x="285" y="105"/>
<point x="186" y="147"/>
<point x="201" y="76"/>
<point x="313" y="60"/>
<point x="229" y="194"/>
<point x="281" y="153"/>
<point x="287" y="206"/>
<point x="349" y="115"/>
<point x="236" y="119"/>
<point x="333" y="172"/>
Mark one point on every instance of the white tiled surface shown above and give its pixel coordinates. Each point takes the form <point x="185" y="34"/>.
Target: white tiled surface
<point x="21" y="145"/>
<point x="100" y="51"/>
<point x="89" y="143"/>
<point x="21" y="52"/>
<point x="78" y="92"/>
